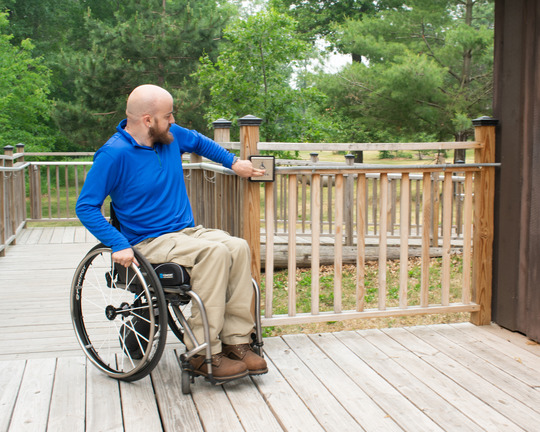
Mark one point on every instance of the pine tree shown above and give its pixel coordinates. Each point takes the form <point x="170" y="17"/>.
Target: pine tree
<point x="426" y="70"/>
<point x="149" y="41"/>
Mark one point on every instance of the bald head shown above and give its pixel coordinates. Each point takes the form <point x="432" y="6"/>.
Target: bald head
<point x="146" y="99"/>
<point x="149" y="112"/>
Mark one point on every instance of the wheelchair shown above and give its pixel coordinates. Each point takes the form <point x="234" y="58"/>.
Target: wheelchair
<point x="121" y="315"/>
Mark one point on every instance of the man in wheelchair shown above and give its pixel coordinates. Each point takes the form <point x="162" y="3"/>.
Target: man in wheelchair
<point x="140" y="167"/>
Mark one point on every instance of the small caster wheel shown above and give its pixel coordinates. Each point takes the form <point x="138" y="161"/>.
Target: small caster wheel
<point x="186" y="382"/>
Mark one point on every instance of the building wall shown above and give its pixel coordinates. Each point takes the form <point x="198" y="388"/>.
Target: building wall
<point x="516" y="278"/>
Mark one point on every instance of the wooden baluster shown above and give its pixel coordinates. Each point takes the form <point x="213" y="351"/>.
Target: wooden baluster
<point x="292" y="245"/>
<point x="426" y="228"/>
<point x="338" y="244"/>
<point x="383" y="241"/>
<point x="404" y="240"/>
<point x="361" y="213"/>
<point x="447" y="233"/>
<point x="467" y="237"/>
<point x="315" y="241"/>
<point x="269" y="261"/>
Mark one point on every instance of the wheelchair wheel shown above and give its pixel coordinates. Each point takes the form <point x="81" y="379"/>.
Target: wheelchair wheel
<point x="186" y="382"/>
<point x="119" y="315"/>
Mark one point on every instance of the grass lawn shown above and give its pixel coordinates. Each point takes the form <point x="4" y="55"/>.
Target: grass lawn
<point x="326" y="295"/>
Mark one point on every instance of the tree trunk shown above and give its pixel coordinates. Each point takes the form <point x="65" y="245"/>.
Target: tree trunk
<point x="467" y="54"/>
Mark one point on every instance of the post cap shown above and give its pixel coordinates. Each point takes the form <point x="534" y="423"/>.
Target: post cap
<point x="8" y="148"/>
<point x="485" y="121"/>
<point x="222" y="124"/>
<point x="249" y="120"/>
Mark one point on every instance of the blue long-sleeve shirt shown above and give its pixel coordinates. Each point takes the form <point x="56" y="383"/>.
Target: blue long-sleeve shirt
<point x="146" y="186"/>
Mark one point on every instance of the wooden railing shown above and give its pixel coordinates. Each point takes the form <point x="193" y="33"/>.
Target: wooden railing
<point x="368" y="212"/>
<point x="471" y="174"/>
<point x="451" y="202"/>
<point x="12" y="196"/>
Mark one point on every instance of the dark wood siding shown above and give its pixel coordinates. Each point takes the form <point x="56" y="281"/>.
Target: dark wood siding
<point x="516" y="287"/>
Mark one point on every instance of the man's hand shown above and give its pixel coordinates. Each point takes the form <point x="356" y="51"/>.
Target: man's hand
<point x="125" y="257"/>
<point x="244" y="168"/>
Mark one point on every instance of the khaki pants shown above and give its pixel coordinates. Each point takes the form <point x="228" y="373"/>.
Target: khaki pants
<point x="219" y="265"/>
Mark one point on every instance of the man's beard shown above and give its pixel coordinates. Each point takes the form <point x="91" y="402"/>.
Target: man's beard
<point x="163" y="137"/>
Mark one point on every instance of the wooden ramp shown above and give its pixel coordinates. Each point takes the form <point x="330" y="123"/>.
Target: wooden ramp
<point x="433" y="378"/>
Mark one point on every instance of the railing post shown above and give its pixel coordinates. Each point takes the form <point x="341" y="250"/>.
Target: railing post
<point x="225" y="205"/>
<point x="20" y="150"/>
<point x="251" y="203"/>
<point x="349" y="200"/>
<point x="11" y="208"/>
<point x="222" y="130"/>
<point x="484" y="195"/>
<point x="2" y="211"/>
<point x="34" y="175"/>
<point x="196" y="189"/>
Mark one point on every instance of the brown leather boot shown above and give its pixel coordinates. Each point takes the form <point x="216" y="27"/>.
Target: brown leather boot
<point x="223" y="368"/>
<point x="255" y="363"/>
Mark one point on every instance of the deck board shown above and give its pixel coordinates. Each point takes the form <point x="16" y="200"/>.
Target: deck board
<point x="33" y="400"/>
<point x="407" y="373"/>
<point x="473" y="396"/>
<point x="11" y="373"/>
<point x="178" y="412"/>
<point x="351" y="395"/>
<point x="441" y="377"/>
<point x="68" y="402"/>
<point x="328" y="411"/>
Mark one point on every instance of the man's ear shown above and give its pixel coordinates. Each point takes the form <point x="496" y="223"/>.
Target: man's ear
<point x="147" y="120"/>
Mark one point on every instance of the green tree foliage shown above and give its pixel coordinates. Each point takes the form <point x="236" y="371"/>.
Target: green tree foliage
<point x="422" y="70"/>
<point x="427" y="69"/>
<point x="318" y="18"/>
<point x="315" y="18"/>
<point x="254" y="75"/>
<point x="24" y="88"/>
<point x="45" y="22"/>
<point x="149" y="41"/>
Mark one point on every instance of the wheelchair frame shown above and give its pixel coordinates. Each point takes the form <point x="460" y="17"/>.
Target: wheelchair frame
<point x="110" y="303"/>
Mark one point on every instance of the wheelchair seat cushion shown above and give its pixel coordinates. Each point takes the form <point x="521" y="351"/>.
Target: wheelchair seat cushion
<point x="171" y="274"/>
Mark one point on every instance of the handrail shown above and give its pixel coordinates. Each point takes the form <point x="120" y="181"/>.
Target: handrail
<point x="230" y="145"/>
<point x="62" y="154"/>
<point x="16" y="168"/>
<point x="55" y="163"/>
<point x="210" y="167"/>
<point x="386" y="168"/>
<point x="283" y="146"/>
<point x="12" y="157"/>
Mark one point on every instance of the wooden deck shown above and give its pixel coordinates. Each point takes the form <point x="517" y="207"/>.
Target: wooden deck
<point x="447" y="377"/>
